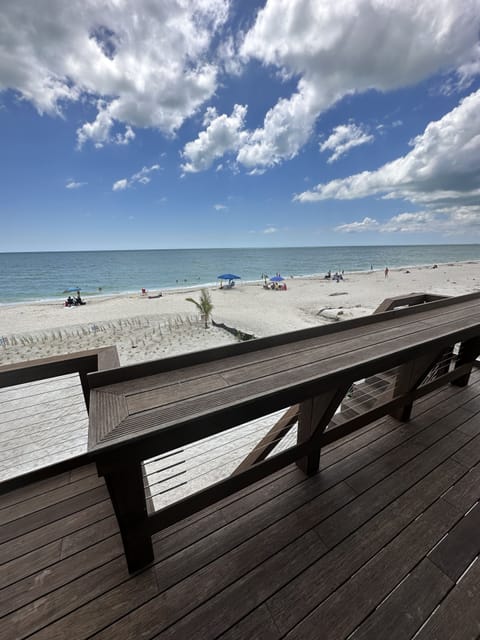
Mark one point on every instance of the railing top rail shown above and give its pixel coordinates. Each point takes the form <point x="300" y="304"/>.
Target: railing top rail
<point x="157" y="410"/>
<point x="409" y="299"/>
<point x="80" y="362"/>
<point x="53" y="366"/>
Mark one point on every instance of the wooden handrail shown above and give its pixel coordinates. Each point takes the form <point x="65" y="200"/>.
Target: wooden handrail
<point x="81" y="362"/>
<point x="408" y="300"/>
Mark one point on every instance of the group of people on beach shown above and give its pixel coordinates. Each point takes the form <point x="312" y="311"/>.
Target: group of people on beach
<point x="336" y="276"/>
<point x="275" y="286"/>
<point x="74" y="302"/>
<point x="276" y="283"/>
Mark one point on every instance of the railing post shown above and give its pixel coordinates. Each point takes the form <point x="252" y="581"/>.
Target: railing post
<point x="409" y="376"/>
<point x="313" y="418"/>
<point x="469" y="351"/>
<point x="127" y="493"/>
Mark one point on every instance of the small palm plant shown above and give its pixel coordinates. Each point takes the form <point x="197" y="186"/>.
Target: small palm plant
<point x="205" y="306"/>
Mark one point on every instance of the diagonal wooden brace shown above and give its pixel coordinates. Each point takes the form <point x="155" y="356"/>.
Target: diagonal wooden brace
<point x="314" y="416"/>
<point x="270" y="440"/>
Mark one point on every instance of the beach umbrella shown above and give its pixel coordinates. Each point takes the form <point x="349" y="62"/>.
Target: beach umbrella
<point x="229" y="276"/>
<point x="276" y="279"/>
<point x="70" y="289"/>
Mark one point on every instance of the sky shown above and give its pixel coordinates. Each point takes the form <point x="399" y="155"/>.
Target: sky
<point x="135" y="124"/>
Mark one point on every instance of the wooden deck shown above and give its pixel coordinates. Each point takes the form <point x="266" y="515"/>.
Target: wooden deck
<point x="382" y="543"/>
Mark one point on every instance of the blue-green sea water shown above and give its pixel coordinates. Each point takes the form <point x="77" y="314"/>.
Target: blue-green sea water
<point x="45" y="276"/>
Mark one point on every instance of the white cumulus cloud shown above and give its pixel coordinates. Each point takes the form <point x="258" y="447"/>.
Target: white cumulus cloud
<point x="442" y="167"/>
<point x="71" y="184"/>
<point x="367" y="224"/>
<point x="142" y="176"/>
<point x="120" y="185"/>
<point x="223" y="134"/>
<point x="343" y="138"/>
<point x="340" y="47"/>
<point x="144" y="64"/>
<point x="446" y="221"/>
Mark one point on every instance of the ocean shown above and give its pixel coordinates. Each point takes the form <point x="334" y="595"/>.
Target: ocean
<point x="46" y="275"/>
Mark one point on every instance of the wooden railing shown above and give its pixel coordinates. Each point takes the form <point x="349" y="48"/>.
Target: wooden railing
<point x="133" y="418"/>
<point x="81" y="362"/>
<point x="285" y="423"/>
<point x="408" y="300"/>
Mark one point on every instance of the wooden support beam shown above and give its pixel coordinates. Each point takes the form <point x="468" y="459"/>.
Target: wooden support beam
<point x="409" y="376"/>
<point x="270" y="440"/>
<point x="125" y="486"/>
<point x="314" y="416"/>
<point x="469" y="352"/>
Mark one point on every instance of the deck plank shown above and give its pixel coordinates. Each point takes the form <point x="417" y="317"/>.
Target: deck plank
<point x="458" y="617"/>
<point x="373" y="582"/>
<point x="461" y="546"/>
<point x="294" y="602"/>
<point x="407" y="607"/>
<point x="23" y="543"/>
<point x="36" y="519"/>
<point x="467" y="491"/>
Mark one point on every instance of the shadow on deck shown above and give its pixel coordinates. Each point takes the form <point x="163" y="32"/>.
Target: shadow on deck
<point x="382" y="543"/>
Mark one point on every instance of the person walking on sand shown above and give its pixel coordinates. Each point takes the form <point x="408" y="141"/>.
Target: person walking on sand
<point x="386" y="272"/>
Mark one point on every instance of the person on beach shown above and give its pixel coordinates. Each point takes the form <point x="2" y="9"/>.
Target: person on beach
<point x="386" y="272"/>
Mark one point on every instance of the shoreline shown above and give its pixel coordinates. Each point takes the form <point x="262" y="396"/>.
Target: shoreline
<point x="99" y="296"/>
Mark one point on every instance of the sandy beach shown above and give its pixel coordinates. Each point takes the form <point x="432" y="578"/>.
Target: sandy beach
<point x="146" y="329"/>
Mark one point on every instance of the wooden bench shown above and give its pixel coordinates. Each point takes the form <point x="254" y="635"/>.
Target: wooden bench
<point x="144" y="410"/>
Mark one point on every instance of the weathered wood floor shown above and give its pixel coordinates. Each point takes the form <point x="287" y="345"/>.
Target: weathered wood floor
<point x="41" y="423"/>
<point x="383" y="543"/>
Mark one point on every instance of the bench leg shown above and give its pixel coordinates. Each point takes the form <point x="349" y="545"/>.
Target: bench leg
<point x="313" y="418"/>
<point x="469" y="351"/>
<point x="409" y="377"/>
<point x="128" y="498"/>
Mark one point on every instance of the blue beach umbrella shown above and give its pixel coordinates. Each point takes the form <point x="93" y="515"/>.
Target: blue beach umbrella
<point x="229" y="276"/>
<point x="276" y="279"/>
<point x="70" y="289"/>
